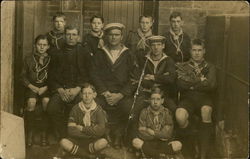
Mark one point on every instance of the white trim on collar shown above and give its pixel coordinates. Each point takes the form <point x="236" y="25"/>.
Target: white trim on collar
<point x="109" y="54"/>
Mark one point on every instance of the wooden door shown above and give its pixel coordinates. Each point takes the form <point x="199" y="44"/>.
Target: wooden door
<point x="125" y="12"/>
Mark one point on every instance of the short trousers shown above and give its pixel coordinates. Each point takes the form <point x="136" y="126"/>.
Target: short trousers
<point x="193" y="104"/>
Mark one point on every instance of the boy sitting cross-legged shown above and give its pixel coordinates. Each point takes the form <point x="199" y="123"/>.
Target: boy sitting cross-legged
<point x="86" y="126"/>
<point x="155" y="129"/>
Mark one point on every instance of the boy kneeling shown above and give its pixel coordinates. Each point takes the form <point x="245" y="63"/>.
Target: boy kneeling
<point x="155" y="129"/>
<point x="86" y="126"/>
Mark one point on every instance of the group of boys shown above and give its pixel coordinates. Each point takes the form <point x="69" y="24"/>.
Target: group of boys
<point x="101" y="91"/>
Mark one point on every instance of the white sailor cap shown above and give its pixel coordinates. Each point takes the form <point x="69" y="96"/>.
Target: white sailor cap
<point x="114" y="26"/>
<point x="155" y="38"/>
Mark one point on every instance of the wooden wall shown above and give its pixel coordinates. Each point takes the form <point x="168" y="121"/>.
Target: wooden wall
<point x="228" y="48"/>
<point x="7" y="54"/>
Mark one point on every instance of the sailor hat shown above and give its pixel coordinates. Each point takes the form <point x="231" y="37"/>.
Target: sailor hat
<point x="114" y="26"/>
<point x="155" y="38"/>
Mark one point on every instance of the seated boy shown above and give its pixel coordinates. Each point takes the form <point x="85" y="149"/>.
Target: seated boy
<point x="86" y="126"/>
<point x="155" y="129"/>
<point x="34" y="76"/>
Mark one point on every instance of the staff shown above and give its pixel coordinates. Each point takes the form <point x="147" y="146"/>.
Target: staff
<point x="131" y="114"/>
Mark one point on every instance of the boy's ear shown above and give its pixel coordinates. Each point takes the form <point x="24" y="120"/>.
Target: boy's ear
<point x="95" y="94"/>
<point x="162" y="100"/>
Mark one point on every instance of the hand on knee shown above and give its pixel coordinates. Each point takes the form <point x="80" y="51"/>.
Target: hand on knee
<point x="176" y="145"/>
<point x="66" y="144"/>
<point x="45" y="102"/>
<point x="31" y="104"/>
<point x="137" y="143"/>
<point x="181" y="117"/>
<point x="100" y="144"/>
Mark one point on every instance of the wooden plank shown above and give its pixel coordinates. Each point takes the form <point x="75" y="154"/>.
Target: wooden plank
<point x="238" y="46"/>
<point x="124" y="17"/>
<point x="105" y="12"/>
<point x="136" y="14"/>
<point x="28" y="30"/>
<point x="7" y="54"/>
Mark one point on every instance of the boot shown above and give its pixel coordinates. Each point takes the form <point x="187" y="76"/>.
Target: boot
<point x="44" y="139"/>
<point x="29" y="126"/>
<point x="117" y="142"/>
<point x="30" y="138"/>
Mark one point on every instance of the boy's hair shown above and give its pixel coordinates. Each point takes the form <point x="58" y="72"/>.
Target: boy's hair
<point x="71" y="27"/>
<point x="88" y="85"/>
<point x="40" y="37"/>
<point x="174" y="15"/>
<point x="198" y="42"/>
<point x="157" y="90"/>
<point x="146" y="16"/>
<point x="98" y="17"/>
<point x="59" y="14"/>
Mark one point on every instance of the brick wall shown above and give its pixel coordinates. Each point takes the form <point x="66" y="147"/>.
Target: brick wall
<point x="195" y="13"/>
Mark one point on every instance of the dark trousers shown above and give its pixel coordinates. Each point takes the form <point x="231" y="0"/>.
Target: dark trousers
<point x="117" y="114"/>
<point x="58" y="111"/>
<point x="37" y="119"/>
<point x="153" y="148"/>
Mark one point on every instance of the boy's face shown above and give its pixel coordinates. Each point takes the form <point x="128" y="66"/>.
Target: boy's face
<point x="197" y="53"/>
<point x="72" y="36"/>
<point x="42" y="46"/>
<point x="156" y="101"/>
<point x="96" y="25"/>
<point x="88" y="95"/>
<point x="157" y="48"/>
<point x="59" y="23"/>
<point x="115" y="37"/>
<point x="176" y="23"/>
<point x="146" y="24"/>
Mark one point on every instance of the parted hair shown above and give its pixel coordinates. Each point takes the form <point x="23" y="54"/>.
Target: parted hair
<point x="157" y="90"/>
<point x="41" y="37"/>
<point x="88" y="85"/>
<point x="59" y="14"/>
<point x="174" y="15"/>
<point x="72" y="27"/>
<point x="198" y="42"/>
<point x="146" y="16"/>
<point x="98" y="17"/>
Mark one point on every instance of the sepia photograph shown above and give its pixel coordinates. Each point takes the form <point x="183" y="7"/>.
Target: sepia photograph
<point x="124" y="79"/>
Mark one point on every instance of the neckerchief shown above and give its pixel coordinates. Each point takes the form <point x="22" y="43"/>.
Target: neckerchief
<point x="86" y="119"/>
<point x="177" y="40"/>
<point x="56" y="35"/>
<point x="40" y="66"/>
<point x="100" y="37"/>
<point x="156" y="121"/>
<point x="113" y="56"/>
<point x="142" y="42"/>
<point x="198" y="67"/>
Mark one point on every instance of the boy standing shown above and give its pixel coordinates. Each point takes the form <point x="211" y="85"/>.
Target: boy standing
<point x="136" y="40"/>
<point x="155" y="129"/>
<point x="86" y="126"/>
<point x="56" y="36"/>
<point x="94" y="40"/>
<point x="177" y="42"/>
<point x="34" y="76"/>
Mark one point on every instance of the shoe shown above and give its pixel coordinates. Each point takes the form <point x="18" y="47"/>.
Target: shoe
<point x="117" y="142"/>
